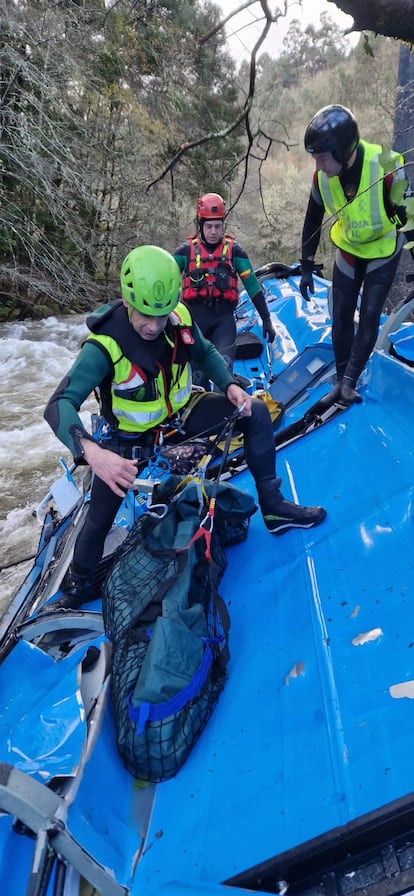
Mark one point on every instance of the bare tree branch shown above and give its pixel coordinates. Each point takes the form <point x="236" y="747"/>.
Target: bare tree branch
<point x="186" y="147"/>
<point x="394" y="18"/>
<point x="245" y="114"/>
<point x="223" y="22"/>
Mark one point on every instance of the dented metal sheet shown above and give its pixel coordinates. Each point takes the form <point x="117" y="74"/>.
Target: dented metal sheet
<point x="311" y="731"/>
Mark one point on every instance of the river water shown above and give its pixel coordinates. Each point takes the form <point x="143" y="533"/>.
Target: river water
<point x="34" y="356"/>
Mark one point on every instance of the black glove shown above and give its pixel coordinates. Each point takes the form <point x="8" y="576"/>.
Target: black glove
<point x="306" y="280"/>
<point x="269" y="330"/>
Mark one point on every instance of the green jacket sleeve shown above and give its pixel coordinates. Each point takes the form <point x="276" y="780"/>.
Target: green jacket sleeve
<point x="62" y="410"/>
<point x="182" y="256"/>
<point x="250" y="282"/>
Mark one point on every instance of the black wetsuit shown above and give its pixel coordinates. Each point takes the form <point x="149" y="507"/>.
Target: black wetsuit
<point x="93" y="367"/>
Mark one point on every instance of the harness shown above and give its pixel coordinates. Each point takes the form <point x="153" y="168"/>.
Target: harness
<point x="211" y="277"/>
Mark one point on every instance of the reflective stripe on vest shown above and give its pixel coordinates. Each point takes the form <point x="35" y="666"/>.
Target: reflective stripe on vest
<point x="134" y="381"/>
<point x="363" y="227"/>
<point x="202" y="279"/>
<point x="135" y="416"/>
<point x="132" y="412"/>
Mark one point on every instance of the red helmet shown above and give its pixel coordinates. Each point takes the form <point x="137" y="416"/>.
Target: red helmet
<point x="210" y="206"/>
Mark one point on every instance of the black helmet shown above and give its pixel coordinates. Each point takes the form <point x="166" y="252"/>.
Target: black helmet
<point x="333" y="129"/>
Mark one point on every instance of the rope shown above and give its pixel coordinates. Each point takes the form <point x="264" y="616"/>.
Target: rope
<point x="206" y="526"/>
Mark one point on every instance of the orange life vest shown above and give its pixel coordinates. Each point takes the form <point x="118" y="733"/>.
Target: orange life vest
<point x="211" y="276"/>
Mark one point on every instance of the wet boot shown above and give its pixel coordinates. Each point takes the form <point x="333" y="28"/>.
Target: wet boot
<point x="280" y="515"/>
<point x="76" y="590"/>
<point x="349" y="394"/>
<point x="332" y="396"/>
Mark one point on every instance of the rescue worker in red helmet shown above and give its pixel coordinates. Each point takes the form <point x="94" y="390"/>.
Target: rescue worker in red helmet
<point x="211" y="262"/>
<point x="350" y="185"/>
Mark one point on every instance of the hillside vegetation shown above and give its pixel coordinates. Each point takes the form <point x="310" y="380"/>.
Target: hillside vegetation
<point x="97" y="108"/>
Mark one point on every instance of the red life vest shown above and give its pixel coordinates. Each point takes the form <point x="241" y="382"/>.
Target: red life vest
<point x="211" y="276"/>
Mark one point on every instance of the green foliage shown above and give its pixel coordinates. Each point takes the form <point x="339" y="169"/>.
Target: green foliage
<point x="95" y="101"/>
<point x="409" y="225"/>
<point x="399" y="190"/>
<point x="99" y="96"/>
<point x="367" y="46"/>
<point x="388" y="161"/>
<point x="311" y="51"/>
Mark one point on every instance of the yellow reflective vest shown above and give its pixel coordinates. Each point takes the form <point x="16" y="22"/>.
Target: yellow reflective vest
<point x="141" y="400"/>
<point x="362" y="227"/>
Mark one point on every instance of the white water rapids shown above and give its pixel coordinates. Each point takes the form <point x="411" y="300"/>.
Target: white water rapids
<point x="34" y="356"/>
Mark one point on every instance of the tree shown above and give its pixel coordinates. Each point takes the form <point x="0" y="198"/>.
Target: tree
<point x="115" y="115"/>
<point x="386" y="17"/>
<point x="313" y="50"/>
<point x="93" y="97"/>
<point x="391" y="18"/>
<point x="404" y="142"/>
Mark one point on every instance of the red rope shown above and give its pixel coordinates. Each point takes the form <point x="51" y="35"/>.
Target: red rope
<point x="205" y="529"/>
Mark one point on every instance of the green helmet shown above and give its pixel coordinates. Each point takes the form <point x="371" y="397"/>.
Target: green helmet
<point x="150" y="280"/>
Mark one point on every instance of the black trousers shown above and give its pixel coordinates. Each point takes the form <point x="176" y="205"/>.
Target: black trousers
<point x="208" y="415"/>
<point x="218" y="324"/>
<point x="352" y="349"/>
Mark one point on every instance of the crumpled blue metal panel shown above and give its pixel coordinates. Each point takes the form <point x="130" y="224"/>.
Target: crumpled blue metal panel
<point x="16" y="856"/>
<point x="42" y="719"/>
<point x="312" y="729"/>
<point x="298" y="324"/>
<point x="111" y="811"/>
<point x="403" y="341"/>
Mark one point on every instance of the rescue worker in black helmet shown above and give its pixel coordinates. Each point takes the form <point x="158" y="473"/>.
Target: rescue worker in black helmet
<point x="138" y="355"/>
<point x="211" y="262"/>
<point x="351" y="185"/>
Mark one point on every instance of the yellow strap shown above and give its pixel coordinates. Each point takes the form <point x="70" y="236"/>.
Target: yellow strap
<point x="275" y="408"/>
<point x="194" y="399"/>
<point x="275" y="411"/>
<point x="192" y="477"/>
<point x="196" y="252"/>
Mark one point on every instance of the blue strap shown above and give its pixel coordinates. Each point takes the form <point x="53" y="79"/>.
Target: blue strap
<point x="155" y="712"/>
<point x="104" y="431"/>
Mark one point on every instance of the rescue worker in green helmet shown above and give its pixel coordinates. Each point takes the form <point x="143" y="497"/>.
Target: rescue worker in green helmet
<point x="212" y="262"/>
<point x="351" y="185"/>
<point x="138" y="354"/>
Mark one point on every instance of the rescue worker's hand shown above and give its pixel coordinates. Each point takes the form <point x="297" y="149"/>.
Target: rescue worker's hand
<point x="306" y="280"/>
<point x="240" y="399"/>
<point x="117" y="472"/>
<point x="269" y="330"/>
